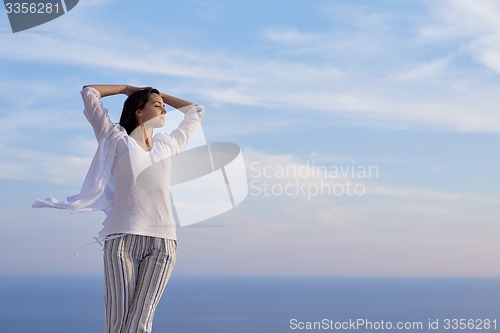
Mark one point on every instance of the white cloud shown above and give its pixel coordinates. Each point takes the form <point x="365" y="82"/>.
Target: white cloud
<point x="397" y="99"/>
<point x="474" y="23"/>
<point x="405" y="91"/>
<point x="376" y="234"/>
<point x="286" y="169"/>
<point x="289" y="35"/>
<point x="32" y="165"/>
<point x="422" y="71"/>
<point x="207" y="10"/>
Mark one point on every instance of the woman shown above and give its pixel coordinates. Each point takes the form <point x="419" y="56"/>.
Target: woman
<point x="129" y="180"/>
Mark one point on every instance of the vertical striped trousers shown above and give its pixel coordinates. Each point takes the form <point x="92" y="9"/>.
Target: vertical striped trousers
<point x="136" y="271"/>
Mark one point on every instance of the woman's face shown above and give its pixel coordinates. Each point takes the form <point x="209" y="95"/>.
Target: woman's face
<point x="153" y="113"/>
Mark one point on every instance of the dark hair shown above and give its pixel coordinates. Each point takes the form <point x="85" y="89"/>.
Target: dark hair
<point x="134" y="102"/>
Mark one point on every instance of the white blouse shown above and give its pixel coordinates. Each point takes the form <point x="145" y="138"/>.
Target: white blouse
<point x="131" y="185"/>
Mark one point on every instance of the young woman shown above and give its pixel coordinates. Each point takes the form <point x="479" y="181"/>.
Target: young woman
<point x="129" y="180"/>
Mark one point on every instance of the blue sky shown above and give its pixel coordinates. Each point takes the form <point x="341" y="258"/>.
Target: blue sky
<point x="410" y="87"/>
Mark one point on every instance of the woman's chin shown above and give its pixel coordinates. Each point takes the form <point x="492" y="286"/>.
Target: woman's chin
<point x="155" y="123"/>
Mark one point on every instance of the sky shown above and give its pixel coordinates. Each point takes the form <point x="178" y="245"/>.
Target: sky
<point x="369" y="131"/>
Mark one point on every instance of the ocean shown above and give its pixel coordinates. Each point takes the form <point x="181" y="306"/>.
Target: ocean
<point x="260" y="305"/>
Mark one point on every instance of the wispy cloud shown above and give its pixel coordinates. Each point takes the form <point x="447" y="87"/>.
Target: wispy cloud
<point x="401" y="88"/>
<point x="372" y="231"/>
<point x="33" y="165"/>
<point x="421" y="93"/>
<point x="207" y="9"/>
<point x="472" y="23"/>
<point x="423" y="71"/>
<point x="283" y="169"/>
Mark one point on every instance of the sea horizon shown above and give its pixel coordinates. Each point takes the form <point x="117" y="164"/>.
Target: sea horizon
<point x="56" y="304"/>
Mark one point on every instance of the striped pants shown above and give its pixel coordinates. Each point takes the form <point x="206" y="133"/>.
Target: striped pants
<point x="136" y="271"/>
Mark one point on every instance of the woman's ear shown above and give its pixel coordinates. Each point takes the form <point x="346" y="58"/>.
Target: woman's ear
<point x="138" y="116"/>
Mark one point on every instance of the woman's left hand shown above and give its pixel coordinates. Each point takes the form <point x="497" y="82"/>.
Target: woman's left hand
<point x="129" y="90"/>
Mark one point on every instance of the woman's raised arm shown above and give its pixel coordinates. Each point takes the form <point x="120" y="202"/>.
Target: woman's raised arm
<point x="114" y="89"/>
<point x="177" y="103"/>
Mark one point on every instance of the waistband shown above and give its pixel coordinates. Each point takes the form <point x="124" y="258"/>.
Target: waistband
<point x="100" y="241"/>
